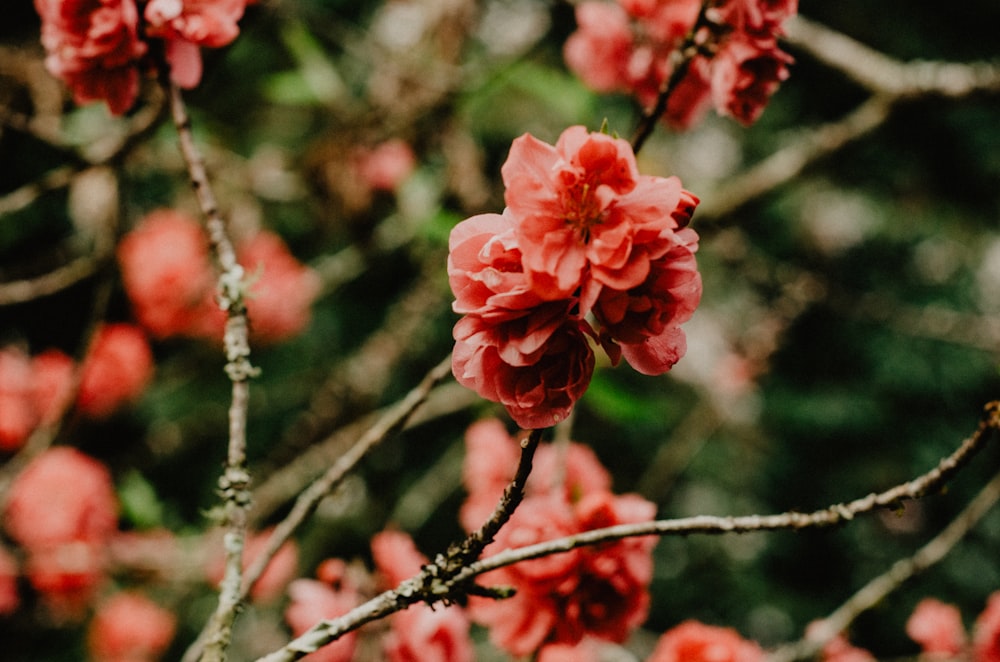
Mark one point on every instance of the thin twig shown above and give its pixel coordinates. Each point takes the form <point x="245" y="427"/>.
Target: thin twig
<point x="388" y="425"/>
<point x="680" y="61"/>
<point x="878" y="588"/>
<point x="234" y="484"/>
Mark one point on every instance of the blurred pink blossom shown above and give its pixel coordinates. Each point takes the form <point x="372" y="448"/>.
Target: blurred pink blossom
<point x="129" y="627"/>
<point x="116" y="371"/>
<point x="937" y="627"/>
<point x="94" y="46"/>
<point x="313" y="601"/>
<point x="282" y="290"/>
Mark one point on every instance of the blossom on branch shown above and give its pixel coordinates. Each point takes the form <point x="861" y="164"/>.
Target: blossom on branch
<point x="629" y="47"/>
<point x="583" y="232"/>
<point x="99" y="47"/>
<point x="312" y="600"/>
<point x="420" y="633"/>
<point x="94" y="46"/>
<point x="562" y="599"/>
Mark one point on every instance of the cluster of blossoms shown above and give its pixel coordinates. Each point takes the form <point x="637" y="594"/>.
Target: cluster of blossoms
<point x="565" y="599"/>
<point x="61" y="511"/>
<point x="36" y="390"/>
<point x="584" y="236"/>
<point x="938" y="628"/>
<point x="100" y="47"/>
<point x="418" y="633"/>
<point x="167" y="273"/>
<point x="626" y="47"/>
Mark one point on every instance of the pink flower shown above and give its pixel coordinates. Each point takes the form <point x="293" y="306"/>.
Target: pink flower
<point x="94" y="46"/>
<point x="9" y="599"/>
<point x="484" y="269"/>
<point x="52" y="383"/>
<point x="692" y="641"/>
<point x="746" y="71"/>
<point x="536" y="366"/>
<point x="168" y="277"/>
<point x="419" y="633"/>
<point x="524" y="622"/>
<point x="937" y="627"/>
<point x="129" y="627"/>
<point x="60" y="497"/>
<point x="282" y="289"/>
<point x="581" y="228"/>
<point x="387" y="165"/>
<point x="646" y="319"/>
<point x="630" y="49"/>
<point x="188" y="24"/>
<point x="314" y="601"/>
<point x="491" y="457"/>
<point x="585" y="217"/>
<point x="561" y="599"/>
<point x="116" y="371"/>
<point x="425" y="634"/>
<point x="986" y="632"/>
<point x="16" y="399"/>
<point x="62" y="510"/>
<point x="600" y="50"/>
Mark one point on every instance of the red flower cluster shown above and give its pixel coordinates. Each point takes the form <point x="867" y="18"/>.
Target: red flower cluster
<point x="63" y="511"/>
<point x="37" y="390"/>
<point x="168" y="277"/>
<point x="583" y="233"/>
<point x="599" y="592"/>
<point x="626" y="46"/>
<point x="938" y="628"/>
<point x="95" y="45"/>
<point x="129" y="627"/>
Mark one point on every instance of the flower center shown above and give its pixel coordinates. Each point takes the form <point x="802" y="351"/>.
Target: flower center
<point x="582" y="209"/>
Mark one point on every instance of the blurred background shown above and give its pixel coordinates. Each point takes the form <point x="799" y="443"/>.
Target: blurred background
<point x="848" y="337"/>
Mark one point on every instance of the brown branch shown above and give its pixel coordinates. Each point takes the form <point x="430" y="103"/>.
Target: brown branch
<point x="921" y="486"/>
<point x="891" y="82"/>
<point x="235" y="480"/>
<point x="434" y="585"/>
<point x="878" y="588"/>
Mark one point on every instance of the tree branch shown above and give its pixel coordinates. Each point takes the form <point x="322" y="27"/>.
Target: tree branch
<point x="234" y="483"/>
<point x="878" y="588"/>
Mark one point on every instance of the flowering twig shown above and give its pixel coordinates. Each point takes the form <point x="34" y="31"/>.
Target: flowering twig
<point x="436" y="582"/>
<point x="878" y="588"/>
<point x="890" y="81"/>
<point x="707" y="524"/>
<point x="680" y="60"/>
<point x="234" y="483"/>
